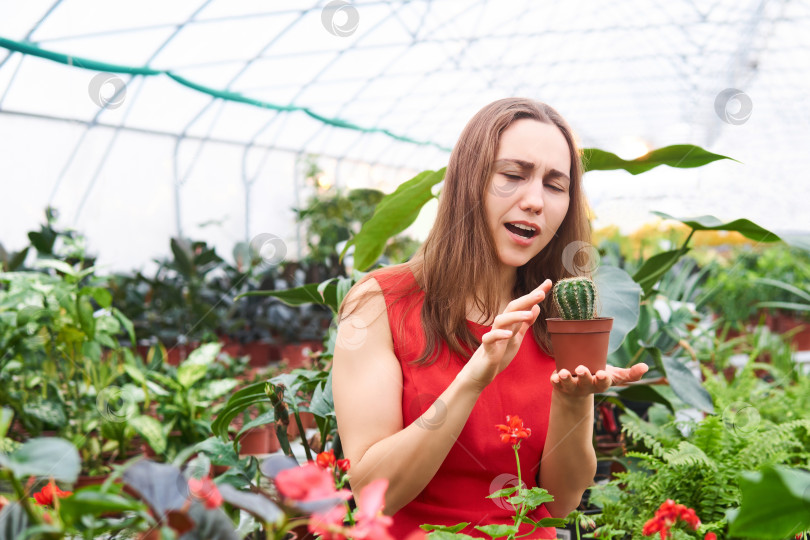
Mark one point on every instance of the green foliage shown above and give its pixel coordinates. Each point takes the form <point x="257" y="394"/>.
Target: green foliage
<point x="698" y="463"/>
<point x="575" y="298"/>
<point x="735" y="286"/>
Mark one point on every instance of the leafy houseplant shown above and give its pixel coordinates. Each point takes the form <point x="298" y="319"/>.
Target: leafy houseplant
<point x="578" y="337"/>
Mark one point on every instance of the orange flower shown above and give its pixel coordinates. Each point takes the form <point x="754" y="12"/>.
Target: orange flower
<point x="50" y="492"/>
<point x="513" y="432"/>
<point x="326" y="460"/>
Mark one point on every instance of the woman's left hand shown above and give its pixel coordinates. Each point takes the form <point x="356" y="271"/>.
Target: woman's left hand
<point x="584" y="383"/>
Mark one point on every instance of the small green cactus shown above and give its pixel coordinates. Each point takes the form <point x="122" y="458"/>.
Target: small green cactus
<point x="575" y="298"/>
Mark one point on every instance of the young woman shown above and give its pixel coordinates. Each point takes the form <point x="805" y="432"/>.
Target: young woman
<point x="431" y="354"/>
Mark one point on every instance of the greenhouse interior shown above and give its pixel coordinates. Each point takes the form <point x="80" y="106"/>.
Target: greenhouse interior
<point x="585" y="223"/>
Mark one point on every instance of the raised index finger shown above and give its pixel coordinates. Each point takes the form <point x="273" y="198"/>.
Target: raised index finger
<point x="526" y="301"/>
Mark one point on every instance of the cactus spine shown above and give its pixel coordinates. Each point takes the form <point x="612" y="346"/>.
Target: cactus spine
<point x="575" y="298"/>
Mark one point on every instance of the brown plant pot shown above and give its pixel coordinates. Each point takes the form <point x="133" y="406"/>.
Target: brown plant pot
<point x="308" y="420"/>
<point x="298" y="355"/>
<point x="95" y="480"/>
<point x="783" y="323"/>
<point x="259" y="440"/>
<point x="584" y="343"/>
<point x="260" y="353"/>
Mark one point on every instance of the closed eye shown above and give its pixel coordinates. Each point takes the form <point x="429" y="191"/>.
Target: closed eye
<point x="555" y="188"/>
<point x="513" y="176"/>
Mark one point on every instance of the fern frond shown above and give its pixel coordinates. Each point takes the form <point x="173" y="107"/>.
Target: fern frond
<point x="687" y="454"/>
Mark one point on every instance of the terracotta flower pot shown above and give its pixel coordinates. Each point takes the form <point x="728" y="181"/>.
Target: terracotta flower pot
<point x="94" y="480"/>
<point x="260" y="440"/>
<point x="576" y="343"/>
<point x="298" y="355"/>
<point x="308" y="420"/>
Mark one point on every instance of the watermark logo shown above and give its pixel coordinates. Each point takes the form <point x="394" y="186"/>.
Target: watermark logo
<point x="733" y="106"/>
<point x="580" y="258"/>
<point x="267" y="249"/>
<point x="340" y="18"/>
<point x="501" y="186"/>
<point x="107" y="91"/>
<point x="741" y="418"/>
<point x="503" y="481"/>
<point x="434" y="417"/>
<point x="116" y="404"/>
<point x="352" y="333"/>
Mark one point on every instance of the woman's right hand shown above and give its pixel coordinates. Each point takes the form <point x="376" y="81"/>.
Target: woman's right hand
<point x="500" y="345"/>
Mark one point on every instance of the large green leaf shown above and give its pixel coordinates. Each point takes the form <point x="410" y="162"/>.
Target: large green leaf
<point x="685" y="385"/>
<point x="619" y="297"/>
<point x="393" y="214"/>
<point x="683" y="156"/>
<point x="48" y="457"/>
<point x="655" y="267"/>
<point x="775" y="504"/>
<point x="99" y="294"/>
<point x="646" y="392"/>
<point x="747" y="228"/>
<point x="238" y="402"/>
<point x="194" y="367"/>
<point x="91" y="502"/>
<point x="151" y="430"/>
<point x="305" y="294"/>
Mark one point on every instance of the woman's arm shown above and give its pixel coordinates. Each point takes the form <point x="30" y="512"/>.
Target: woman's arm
<point x="568" y="464"/>
<point x="367" y="389"/>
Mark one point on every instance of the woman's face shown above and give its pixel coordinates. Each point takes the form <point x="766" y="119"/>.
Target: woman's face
<point x="530" y="186"/>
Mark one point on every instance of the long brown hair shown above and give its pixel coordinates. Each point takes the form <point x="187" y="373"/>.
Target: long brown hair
<point x="450" y="268"/>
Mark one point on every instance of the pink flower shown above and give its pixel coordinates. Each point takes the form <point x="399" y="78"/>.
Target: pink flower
<point x="329" y="525"/>
<point x="309" y="483"/>
<point x="206" y="490"/>
<point x="371" y="523"/>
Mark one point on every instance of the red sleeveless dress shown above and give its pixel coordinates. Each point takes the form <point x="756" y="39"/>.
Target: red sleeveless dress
<point x="478" y="463"/>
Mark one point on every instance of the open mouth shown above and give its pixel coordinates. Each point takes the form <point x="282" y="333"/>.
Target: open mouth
<point x="521" y="230"/>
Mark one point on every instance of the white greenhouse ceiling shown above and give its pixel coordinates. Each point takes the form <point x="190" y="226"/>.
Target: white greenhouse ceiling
<point x="137" y="120"/>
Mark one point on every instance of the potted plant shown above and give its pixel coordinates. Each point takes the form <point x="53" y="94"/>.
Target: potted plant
<point x="578" y="336"/>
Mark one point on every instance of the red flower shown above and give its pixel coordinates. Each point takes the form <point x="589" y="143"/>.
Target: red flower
<point x="309" y="483"/>
<point x="47" y="494"/>
<point x="326" y="460"/>
<point x="371" y="523"/>
<point x="514" y="431"/>
<point x="668" y="515"/>
<point x="343" y="464"/>
<point x="710" y="536"/>
<point x="205" y="490"/>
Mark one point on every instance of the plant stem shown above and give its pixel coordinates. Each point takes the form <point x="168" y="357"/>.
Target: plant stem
<point x="518" y="517"/>
<point x="23" y="500"/>
<point x="303" y="433"/>
<point x="686" y="242"/>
